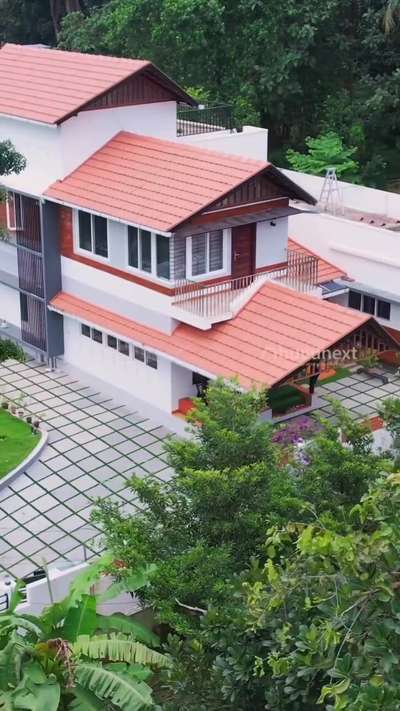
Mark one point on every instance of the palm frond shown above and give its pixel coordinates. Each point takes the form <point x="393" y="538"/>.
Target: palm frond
<point x="125" y="624"/>
<point x="124" y="692"/>
<point x="118" y="649"/>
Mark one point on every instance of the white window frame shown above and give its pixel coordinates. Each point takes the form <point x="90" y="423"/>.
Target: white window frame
<point x="86" y="252"/>
<point x="131" y="345"/>
<point x="153" y="242"/>
<point x="226" y="254"/>
<point x="8" y="214"/>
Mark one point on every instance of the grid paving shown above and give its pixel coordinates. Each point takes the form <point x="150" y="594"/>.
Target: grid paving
<point x="360" y="394"/>
<point x="94" y="445"/>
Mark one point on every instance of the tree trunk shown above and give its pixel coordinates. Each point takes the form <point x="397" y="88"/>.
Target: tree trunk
<point x="58" y="8"/>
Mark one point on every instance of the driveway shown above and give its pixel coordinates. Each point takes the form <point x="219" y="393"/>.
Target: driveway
<point x="95" y="444"/>
<point x="358" y="393"/>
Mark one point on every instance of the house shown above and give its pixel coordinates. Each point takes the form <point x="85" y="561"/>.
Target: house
<point x="149" y="261"/>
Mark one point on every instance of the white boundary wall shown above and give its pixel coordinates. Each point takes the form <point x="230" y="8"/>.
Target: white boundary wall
<point x="251" y="142"/>
<point x="356" y="197"/>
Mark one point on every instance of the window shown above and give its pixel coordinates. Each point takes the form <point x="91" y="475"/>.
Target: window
<point x="112" y="342"/>
<point x="23" y="300"/>
<point x="14" y="211"/>
<point x="369" y="304"/>
<point x="93" y="234"/>
<point x="163" y="258"/>
<point x="207" y="251"/>
<point x="139" y="249"/>
<point x="355" y="300"/>
<point x="123" y="347"/>
<point x="85" y="330"/>
<point x="97" y="335"/>
<point x="151" y="360"/>
<point x="384" y="310"/>
<point x="139" y="353"/>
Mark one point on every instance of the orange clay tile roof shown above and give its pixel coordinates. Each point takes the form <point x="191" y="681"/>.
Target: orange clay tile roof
<point x="326" y="270"/>
<point x="276" y="333"/>
<point x="152" y="182"/>
<point x="49" y="85"/>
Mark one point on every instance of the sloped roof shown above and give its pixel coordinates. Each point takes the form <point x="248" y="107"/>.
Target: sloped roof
<point x="276" y="333"/>
<point x="156" y="183"/>
<point x="326" y="270"/>
<point x="49" y="85"/>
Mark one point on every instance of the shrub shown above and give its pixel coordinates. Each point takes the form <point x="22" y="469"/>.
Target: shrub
<point x="9" y="349"/>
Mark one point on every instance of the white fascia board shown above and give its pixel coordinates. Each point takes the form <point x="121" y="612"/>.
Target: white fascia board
<point x="107" y="217"/>
<point x="26" y="120"/>
<point x="173" y="359"/>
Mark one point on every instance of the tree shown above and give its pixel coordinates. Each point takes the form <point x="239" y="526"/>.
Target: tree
<point x="10" y="160"/>
<point x="325" y="151"/>
<point x="316" y="629"/>
<point x="232" y="482"/>
<point x="70" y="657"/>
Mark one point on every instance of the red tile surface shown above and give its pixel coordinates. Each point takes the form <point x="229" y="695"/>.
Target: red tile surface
<point x="326" y="270"/>
<point x="277" y="332"/>
<point x="152" y="182"/>
<point x="46" y="85"/>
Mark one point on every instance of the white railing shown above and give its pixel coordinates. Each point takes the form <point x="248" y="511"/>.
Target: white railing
<point x="218" y="300"/>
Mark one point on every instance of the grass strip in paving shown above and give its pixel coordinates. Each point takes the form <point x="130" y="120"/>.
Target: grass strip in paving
<point x="16" y="441"/>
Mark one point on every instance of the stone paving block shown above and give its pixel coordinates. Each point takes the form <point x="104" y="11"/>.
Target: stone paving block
<point x="72" y="523"/>
<point x="114" y="438"/>
<point x="122" y="465"/>
<point x="39" y="470"/>
<point x="88" y="464"/>
<point x="64" y="445"/>
<point x="76" y="454"/>
<point x="95" y="446"/>
<point x="106" y="417"/>
<point x="26" y="513"/>
<point x="103" y="473"/>
<point x="83" y="437"/>
<point x="38" y="524"/>
<point x="50" y="535"/>
<point x="65" y="492"/>
<point x="156" y="447"/>
<point x="117" y="483"/>
<point x="58" y="463"/>
<point x="20" y="482"/>
<point x="84" y="482"/>
<point x="28" y="548"/>
<point x="83" y="403"/>
<point x="59" y="421"/>
<point x="362" y="398"/>
<point x="78" y="502"/>
<point x="44" y="503"/>
<point x="19" y="535"/>
<point x="101" y="430"/>
<point x="13" y="503"/>
<point x="145" y="439"/>
<point x="153" y="466"/>
<point x="141" y="455"/>
<point x="365" y="410"/>
<point x="65" y="545"/>
<point x="108" y="455"/>
<point x="59" y="513"/>
<point x="392" y="388"/>
<point x="70" y="473"/>
<point x="127" y="447"/>
<point x="131" y="430"/>
<point x="65" y="409"/>
<point x="71" y="429"/>
<point x="98" y="492"/>
<point x="77" y="416"/>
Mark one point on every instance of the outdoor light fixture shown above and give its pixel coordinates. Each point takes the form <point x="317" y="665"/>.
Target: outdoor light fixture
<point x="272" y="223"/>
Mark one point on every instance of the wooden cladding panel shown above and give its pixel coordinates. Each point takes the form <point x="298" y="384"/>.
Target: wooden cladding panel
<point x="30" y="272"/>
<point x="33" y="321"/>
<point x="30" y="234"/>
<point x="257" y="189"/>
<point x="138" y="89"/>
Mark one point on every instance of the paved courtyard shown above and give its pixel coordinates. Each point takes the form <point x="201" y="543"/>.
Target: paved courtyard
<point x="358" y="393"/>
<point x="94" y="445"/>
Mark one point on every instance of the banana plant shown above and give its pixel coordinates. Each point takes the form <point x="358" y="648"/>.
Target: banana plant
<point x="72" y="658"/>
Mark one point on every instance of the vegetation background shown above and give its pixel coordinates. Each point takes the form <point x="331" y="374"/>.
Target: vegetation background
<point x="300" y="68"/>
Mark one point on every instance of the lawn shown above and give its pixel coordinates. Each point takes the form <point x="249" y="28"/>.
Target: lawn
<point x="16" y="441"/>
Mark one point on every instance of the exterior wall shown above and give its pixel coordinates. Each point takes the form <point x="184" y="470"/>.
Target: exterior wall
<point x="8" y="258"/>
<point x="252" y="142"/>
<point x="54" y="151"/>
<point x="356" y="197"/>
<point x="181" y="384"/>
<point x="123" y="372"/>
<point x="9" y="306"/>
<point x="271" y="242"/>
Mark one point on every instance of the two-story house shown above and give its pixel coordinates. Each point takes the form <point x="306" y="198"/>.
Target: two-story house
<point x="147" y="262"/>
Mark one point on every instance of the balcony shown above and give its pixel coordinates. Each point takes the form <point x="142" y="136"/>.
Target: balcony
<point x="202" y="305"/>
<point x="192" y="122"/>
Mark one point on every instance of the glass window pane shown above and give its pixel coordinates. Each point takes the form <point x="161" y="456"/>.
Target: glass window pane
<point x="123" y="347"/>
<point x="199" y="254"/>
<point x="100" y="236"/>
<point x="163" y="258"/>
<point x="85" y="330"/>
<point x="112" y="342"/>
<point x="145" y="250"/>
<point x="85" y="231"/>
<point x="139" y="353"/>
<point x="384" y="310"/>
<point x="369" y="305"/>
<point x="133" y="259"/>
<point x="354" y="300"/>
<point x="151" y="360"/>
<point x="216" y="250"/>
<point x="11" y="218"/>
<point x="97" y="335"/>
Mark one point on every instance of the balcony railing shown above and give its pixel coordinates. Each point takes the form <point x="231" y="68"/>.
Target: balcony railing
<point x="194" y="121"/>
<point x="220" y="301"/>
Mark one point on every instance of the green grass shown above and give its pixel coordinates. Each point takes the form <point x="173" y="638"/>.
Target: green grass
<point x="340" y="373"/>
<point x="284" y="398"/>
<point x="16" y="441"/>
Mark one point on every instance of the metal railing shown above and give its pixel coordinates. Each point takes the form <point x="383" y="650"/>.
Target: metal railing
<point x="194" y="121"/>
<point x="218" y="300"/>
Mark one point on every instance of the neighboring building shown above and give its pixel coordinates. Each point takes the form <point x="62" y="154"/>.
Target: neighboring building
<point x="141" y="257"/>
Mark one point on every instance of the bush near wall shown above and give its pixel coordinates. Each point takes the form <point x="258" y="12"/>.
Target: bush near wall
<point x="9" y="349"/>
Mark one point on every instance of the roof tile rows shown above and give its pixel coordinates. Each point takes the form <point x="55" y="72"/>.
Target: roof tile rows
<point x="276" y="333"/>
<point x="152" y="182"/>
<point x="326" y="270"/>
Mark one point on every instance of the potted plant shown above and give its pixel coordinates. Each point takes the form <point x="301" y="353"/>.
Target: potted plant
<point x="12" y="408"/>
<point x="5" y="404"/>
<point x="369" y="366"/>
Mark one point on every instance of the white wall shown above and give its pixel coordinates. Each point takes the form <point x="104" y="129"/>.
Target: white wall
<point x="181" y="384"/>
<point x="54" y="151"/>
<point x="8" y="258"/>
<point x="252" y="142"/>
<point x="9" y="306"/>
<point x="123" y="372"/>
<point x="357" y="197"/>
<point x="271" y="242"/>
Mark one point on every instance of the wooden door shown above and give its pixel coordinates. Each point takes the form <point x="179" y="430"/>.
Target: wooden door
<point x="243" y="250"/>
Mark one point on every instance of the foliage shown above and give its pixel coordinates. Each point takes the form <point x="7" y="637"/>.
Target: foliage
<point x="231" y="484"/>
<point x="315" y="629"/>
<point x="389" y="410"/>
<point x="71" y="657"/>
<point x="16" y="441"/>
<point x="10" y="160"/>
<point x="9" y="349"/>
<point x="325" y="151"/>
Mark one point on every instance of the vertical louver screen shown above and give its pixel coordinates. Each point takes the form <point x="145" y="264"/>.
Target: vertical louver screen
<point x="30" y="272"/>
<point x="28" y="235"/>
<point x="33" y="326"/>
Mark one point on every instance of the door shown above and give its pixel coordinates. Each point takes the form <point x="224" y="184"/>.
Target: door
<point x="243" y="250"/>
